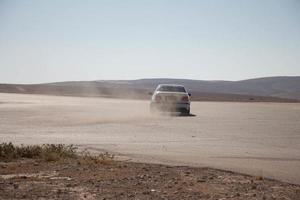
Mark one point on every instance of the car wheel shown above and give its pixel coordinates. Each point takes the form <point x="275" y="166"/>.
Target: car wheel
<point x="185" y="112"/>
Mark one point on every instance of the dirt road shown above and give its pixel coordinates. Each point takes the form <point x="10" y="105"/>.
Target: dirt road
<point x="254" y="138"/>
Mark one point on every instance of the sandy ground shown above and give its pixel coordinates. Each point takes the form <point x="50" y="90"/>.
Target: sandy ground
<point x="254" y="138"/>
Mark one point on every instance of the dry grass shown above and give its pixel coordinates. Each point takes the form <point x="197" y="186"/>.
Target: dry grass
<point x="102" y="158"/>
<point x="48" y="152"/>
<point x="51" y="152"/>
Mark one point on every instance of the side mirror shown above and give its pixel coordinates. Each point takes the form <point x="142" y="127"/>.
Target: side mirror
<point x="189" y="94"/>
<point x="150" y="93"/>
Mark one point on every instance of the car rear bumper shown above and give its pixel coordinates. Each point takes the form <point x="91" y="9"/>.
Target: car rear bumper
<point x="170" y="106"/>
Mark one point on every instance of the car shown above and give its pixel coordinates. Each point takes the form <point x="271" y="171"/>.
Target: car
<point x="171" y="98"/>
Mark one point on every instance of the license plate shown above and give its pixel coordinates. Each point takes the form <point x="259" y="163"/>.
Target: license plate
<point x="171" y="98"/>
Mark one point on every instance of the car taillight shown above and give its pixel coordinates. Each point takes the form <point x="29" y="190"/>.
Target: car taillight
<point x="185" y="98"/>
<point x="157" y="98"/>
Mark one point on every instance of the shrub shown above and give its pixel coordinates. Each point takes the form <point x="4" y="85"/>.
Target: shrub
<point x="51" y="152"/>
<point x="102" y="158"/>
<point x="48" y="152"/>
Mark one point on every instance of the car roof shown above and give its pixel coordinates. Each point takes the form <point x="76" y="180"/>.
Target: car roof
<point x="173" y="85"/>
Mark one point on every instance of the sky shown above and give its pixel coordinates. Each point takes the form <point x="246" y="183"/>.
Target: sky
<point x="63" y="40"/>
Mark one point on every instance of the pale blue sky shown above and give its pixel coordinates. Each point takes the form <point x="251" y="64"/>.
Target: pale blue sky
<point x="46" y="41"/>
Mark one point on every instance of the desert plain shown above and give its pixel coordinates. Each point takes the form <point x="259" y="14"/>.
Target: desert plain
<point x="260" y="139"/>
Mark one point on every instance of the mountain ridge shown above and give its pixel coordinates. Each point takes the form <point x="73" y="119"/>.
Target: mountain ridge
<point x="279" y="87"/>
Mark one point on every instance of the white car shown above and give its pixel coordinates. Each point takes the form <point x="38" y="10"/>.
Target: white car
<point x="172" y="98"/>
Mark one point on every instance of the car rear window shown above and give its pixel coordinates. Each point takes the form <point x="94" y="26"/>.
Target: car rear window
<point x="167" y="88"/>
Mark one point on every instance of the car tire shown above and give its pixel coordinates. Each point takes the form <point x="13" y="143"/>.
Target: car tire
<point x="186" y="112"/>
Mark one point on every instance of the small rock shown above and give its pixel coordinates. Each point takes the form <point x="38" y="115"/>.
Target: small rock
<point x="253" y="187"/>
<point x="145" y="168"/>
<point x="130" y="195"/>
<point x="141" y="176"/>
<point x="146" y="192"/>
<point x="264" y="197"/>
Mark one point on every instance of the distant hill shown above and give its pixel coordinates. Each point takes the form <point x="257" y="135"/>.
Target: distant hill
<point x="281" y="87"/>
<point x="260" y="89"/>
